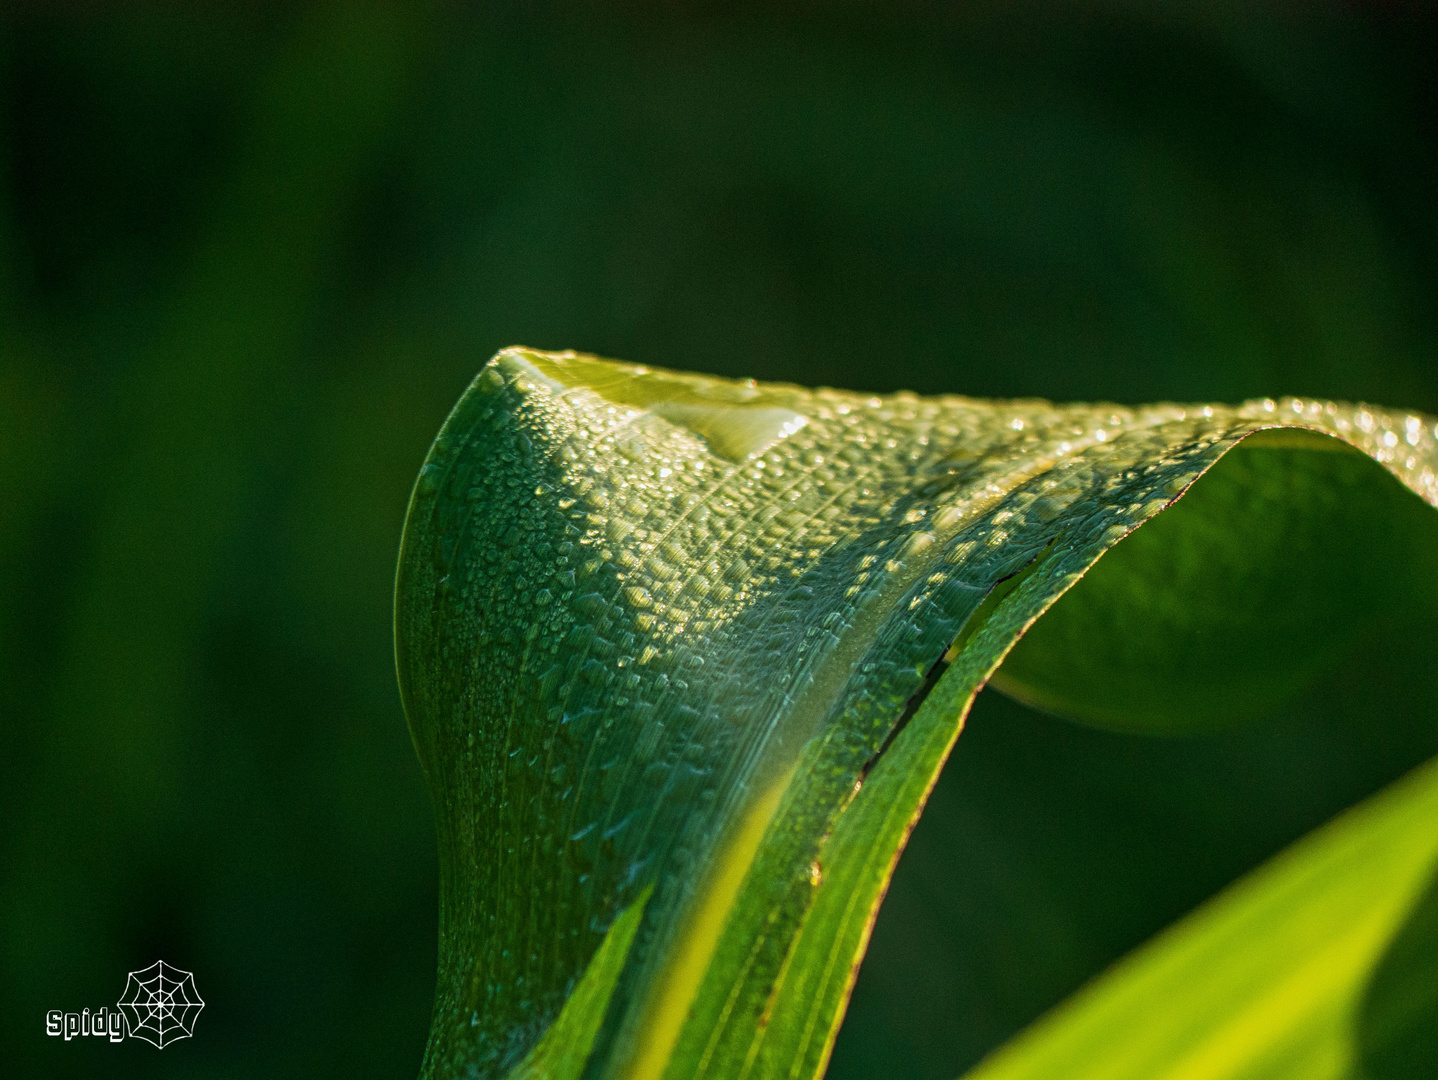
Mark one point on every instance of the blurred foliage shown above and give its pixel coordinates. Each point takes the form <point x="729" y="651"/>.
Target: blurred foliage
<point x="249" y="256"/>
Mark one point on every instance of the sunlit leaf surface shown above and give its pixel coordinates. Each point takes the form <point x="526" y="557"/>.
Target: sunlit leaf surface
<point x="683" y="656"/>
<point x="1272" y="978"/>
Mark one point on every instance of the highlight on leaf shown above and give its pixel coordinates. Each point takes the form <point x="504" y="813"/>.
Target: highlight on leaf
<point x="683" y="656"/>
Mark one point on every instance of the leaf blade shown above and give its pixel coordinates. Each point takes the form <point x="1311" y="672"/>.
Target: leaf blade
<point x="1269" y="972"/>
<point x="563" y="1050"/>
<point x="631" y="603"/>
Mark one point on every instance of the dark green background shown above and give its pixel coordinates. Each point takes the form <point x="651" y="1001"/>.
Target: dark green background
<point x="250" y="255"/>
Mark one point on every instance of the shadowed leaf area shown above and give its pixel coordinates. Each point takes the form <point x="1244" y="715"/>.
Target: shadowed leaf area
<point x="1260" y="581"/>
<point x="1398" y="1023"/>
<point x="683" y="658"/>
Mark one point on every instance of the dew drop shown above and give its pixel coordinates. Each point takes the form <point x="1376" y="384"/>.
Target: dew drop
<point x="737" y="433"/>
<point x="638" y="596"/>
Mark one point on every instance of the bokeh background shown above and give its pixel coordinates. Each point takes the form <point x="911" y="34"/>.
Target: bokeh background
<point x="250" y="255"/>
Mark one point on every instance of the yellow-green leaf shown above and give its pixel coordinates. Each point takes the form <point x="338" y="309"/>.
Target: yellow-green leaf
<point x="1275" y="977"/>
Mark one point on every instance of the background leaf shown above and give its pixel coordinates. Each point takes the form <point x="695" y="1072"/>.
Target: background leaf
<point x="1268" y="980"/>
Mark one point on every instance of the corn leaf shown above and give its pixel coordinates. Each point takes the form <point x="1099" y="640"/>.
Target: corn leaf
<point x="683" y="656"/>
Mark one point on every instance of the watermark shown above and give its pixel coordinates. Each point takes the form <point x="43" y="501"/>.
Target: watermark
<point x="160" y="1004"/>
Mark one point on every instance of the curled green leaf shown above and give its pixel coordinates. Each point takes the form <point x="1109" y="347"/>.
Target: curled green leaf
<point x="697" y="648"/>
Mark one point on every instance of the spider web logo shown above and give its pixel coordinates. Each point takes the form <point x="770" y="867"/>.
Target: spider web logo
<point x="161" y="1004"/>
